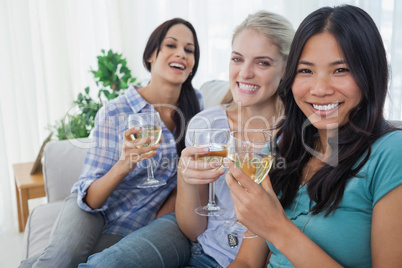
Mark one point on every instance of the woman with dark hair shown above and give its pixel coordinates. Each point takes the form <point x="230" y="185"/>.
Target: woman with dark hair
<point x="336" y="198"/>
<point x="110" y="206"/>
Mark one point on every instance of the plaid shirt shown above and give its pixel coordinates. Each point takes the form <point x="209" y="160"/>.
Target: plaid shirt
<point x="128" y="207"/>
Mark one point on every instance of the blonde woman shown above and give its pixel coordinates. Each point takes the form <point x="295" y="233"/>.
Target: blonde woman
<point x="260" y="47"/>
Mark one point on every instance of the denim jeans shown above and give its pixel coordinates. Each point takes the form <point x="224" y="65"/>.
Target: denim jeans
<point x="159" y="244"/>
<point x="75" y="235"/>
<point x="200" y="259"/>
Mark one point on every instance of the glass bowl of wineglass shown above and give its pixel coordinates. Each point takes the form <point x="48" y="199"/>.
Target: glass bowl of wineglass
<point x="151" y="126"/>
<point x="251" y="151"/>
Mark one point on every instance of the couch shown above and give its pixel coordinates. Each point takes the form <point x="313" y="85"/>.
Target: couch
<point x="62" y="164"/>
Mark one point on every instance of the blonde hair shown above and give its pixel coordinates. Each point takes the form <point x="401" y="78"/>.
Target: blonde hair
<point x="278" y="30"/>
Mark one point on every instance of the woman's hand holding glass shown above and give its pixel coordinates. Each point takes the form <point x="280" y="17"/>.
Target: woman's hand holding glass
<point x="134" y="151"/>
<point x="202" y="163"/>
<point x="196" y="172"/>
<point x="258" y="207"/>
<point x="252" y="153"/>
<point x="150" y="127"/>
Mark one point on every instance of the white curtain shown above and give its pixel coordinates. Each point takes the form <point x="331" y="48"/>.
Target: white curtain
<point x="47" y="48"/>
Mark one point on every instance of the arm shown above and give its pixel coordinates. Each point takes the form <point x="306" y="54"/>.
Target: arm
<point x="169" y="204"/>
<point x="253" y="253"/>
<point x="386" y="232"/>
<point x="100" y="190"/>
<point x="267" y="219"/>
<point x="192" y="191"/>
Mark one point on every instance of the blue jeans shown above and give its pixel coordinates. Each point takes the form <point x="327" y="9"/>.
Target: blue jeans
<point x="75" y="235"/>
<point x="159" y="244"/>
<point x="200" y="259"/>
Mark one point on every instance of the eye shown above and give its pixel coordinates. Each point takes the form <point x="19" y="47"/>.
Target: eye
<point x="235" y="59"/>
<point x="341" y="70"/>
<point x="304" y="71"/>
<point x="264" y="63"/>
<point x="171" y="46"/>
<point x="190" y="51"/>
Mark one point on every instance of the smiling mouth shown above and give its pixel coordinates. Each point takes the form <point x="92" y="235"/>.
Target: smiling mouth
<point x="325" y="107"/>
<point x="248" y="87"/>
<point x="177" y="66"/>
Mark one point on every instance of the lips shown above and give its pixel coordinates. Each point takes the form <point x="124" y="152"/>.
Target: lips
<point x="247" y="88"/>
<point x="326" y="110"/>
<point x="177" y="65"/>
<point x="326" y="107"/>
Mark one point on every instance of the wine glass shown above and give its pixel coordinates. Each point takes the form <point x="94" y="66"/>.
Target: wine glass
<point x="251" y="151"/>
<point x="216" y="140"/>
<point x="151" y="126"/>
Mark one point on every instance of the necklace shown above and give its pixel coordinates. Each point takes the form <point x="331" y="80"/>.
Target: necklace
<point x="304" y="182"/>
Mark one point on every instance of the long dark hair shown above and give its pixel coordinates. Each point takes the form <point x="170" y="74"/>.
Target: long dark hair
<point x="188" y="104"/>
<point x="364" y="53"/>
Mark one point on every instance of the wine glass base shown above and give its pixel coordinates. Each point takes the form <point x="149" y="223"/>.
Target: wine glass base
<point x="210" y="211"/>
<point x="234" y="227"/>
<point x="151" y="183"/>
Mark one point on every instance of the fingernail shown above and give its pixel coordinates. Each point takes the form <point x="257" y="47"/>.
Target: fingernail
<point x="226" y="161"/>
<point x="222" y="171"/>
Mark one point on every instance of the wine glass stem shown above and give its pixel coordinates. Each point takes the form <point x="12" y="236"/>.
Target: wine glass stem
<point x="150" y="170"/>
<point x="212" y="193"/>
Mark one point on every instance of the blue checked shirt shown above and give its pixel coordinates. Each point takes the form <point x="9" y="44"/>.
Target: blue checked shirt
<point x="128" y="207"/>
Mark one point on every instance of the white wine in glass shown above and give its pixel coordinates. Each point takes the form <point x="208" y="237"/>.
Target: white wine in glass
<point x="151" y="126"/>
<point x="255" y="165"/>
<point x="251" y="151"/>
<point x="216" y="140"/>
<point x="148" y="131"/>
<point x="216" y="154"/>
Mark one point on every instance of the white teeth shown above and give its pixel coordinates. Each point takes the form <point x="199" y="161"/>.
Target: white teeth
<point x="177" y="65"/>
<point x="325" y="107"/>
<point x="248" y="87"/>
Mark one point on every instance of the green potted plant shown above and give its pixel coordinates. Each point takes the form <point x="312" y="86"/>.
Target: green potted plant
<point x="112" y="78"/>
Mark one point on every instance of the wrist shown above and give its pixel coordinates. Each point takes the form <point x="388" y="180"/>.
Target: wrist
<point x="120" y="169"/>
<point x="284" y="235"/>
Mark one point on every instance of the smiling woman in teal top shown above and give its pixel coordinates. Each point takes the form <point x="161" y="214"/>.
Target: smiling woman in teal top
<point x="334" y="197"/>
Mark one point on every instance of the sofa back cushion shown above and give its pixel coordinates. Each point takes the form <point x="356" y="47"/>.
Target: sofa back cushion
<point x="213" y="91"/>
<point x="62" y="165"/>
<point x="396" y="123"/>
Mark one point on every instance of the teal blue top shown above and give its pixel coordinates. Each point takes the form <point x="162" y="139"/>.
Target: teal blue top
<point x="345" y="235"/>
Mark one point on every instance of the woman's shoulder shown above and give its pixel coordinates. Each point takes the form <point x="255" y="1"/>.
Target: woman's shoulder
<point x="215" y="110"/>
<point x="389" y="140"/>
<point x="387" y="148"/>
<point x="384" y="164"/>
<point x="123" y="103"/>
<point x="212" y="117"/>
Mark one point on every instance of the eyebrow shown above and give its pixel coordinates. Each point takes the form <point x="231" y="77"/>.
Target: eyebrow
<point x="169" y="37"/>
<point x="258" y="58"/>
<point x="338" y="62"/>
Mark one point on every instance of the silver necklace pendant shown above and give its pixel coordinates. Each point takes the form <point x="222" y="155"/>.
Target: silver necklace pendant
<point x="233" y="241"/>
